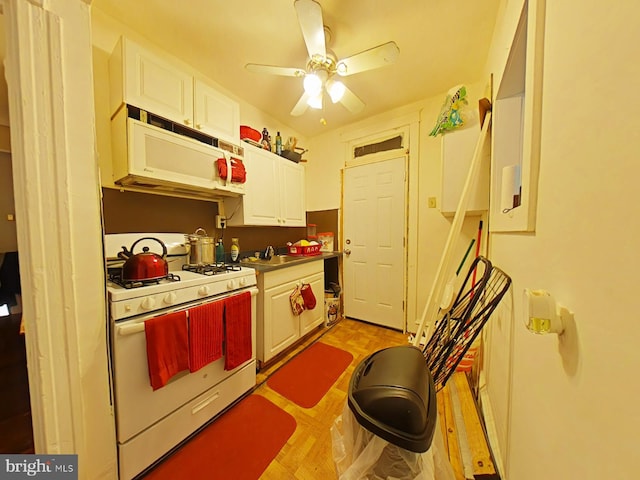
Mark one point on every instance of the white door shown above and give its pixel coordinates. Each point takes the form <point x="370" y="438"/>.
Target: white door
<point x="373" y="249"/>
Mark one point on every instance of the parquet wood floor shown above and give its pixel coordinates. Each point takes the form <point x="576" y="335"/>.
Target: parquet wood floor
<point x="307" y="455"/>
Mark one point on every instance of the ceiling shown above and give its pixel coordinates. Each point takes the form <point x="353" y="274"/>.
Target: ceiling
<point x="442" y="43"/>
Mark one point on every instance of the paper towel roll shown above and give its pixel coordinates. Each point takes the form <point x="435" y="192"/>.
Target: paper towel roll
<point x="510" y="186"/>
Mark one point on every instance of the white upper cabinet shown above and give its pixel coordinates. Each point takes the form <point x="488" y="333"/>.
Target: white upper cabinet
<point x="458" y="148"/>
<point x="216" y="114"/>
<point x="292" y="194"/>
<point x="274" y="192"/>
<point x="158" y="84"/>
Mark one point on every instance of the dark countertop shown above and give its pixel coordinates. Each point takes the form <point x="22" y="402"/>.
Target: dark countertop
<point x="264" y="266"/>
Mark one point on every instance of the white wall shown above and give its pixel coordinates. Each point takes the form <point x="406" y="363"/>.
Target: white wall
<point x="327" y="157"/>
<point x="59" y="233"/>
<point x="573" y="404"/>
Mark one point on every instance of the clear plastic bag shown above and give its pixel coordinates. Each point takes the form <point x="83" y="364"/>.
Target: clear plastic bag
<point x="454" y="111"/>
<point x="359" y="454"/>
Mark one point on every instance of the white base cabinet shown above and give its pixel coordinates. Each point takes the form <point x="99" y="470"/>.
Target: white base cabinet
<point x="274" y="192"/>
<point x="277" y="327"/>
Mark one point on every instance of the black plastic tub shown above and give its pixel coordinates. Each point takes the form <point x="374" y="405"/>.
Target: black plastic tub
<point x="391" y="394"/>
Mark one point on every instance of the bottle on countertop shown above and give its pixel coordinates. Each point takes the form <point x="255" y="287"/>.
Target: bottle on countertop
<point x="219" y="252"/>
<point x="235" y="250"/>
<point x="266" y="139"/>
<point x="278" y="144"/>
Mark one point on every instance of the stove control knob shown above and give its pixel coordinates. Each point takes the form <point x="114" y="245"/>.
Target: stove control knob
<point x="170" y="298"/>
<point x="148" y="303"/>
<point x="231" y="284"/>
<point x="243" y="282"/>
<point x="204" y="290"/>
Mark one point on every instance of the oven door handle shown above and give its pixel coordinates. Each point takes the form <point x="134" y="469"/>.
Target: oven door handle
<point x="139" y="327"/>
<point x="130" y="329"/>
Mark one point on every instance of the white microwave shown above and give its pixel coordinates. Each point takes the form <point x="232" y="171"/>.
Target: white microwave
<point x="152" y="158"/>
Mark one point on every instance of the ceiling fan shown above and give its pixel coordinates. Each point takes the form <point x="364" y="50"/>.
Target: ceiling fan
<point x="319" y="76"/>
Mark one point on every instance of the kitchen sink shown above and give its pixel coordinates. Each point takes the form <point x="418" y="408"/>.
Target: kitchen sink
<point x="275" y="260"/>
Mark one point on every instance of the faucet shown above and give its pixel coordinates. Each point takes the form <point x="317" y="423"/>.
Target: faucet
<point x="268" y="252"/>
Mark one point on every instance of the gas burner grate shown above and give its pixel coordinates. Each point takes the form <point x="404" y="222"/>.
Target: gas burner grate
<point x="116" y="278"/>
<point x="211" y="268"/>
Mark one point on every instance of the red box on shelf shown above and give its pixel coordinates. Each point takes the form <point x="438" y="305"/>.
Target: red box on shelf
<point x="304" y="251"/>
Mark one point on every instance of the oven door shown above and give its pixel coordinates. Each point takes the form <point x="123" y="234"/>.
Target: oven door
<point x="138" y="406"/>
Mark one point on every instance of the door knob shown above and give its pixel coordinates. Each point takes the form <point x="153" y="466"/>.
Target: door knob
<point x="347" y="252"/>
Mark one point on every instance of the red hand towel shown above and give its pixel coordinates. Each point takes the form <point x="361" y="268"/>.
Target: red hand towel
<point x="238" y="330"/>
<point x="205" y="334"/>
<point x="238" y="172"/>
<point x="167" y="347"/>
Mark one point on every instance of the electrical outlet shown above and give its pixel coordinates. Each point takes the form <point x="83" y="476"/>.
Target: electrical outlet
<point x="431" y="202"/>
<point x="221" y="222"/>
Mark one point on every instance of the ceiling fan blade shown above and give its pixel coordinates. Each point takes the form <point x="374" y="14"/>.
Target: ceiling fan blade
<point x="273" y="70"/>
<point x="301" y="106"/>
<point x="351" y="101"/>
<point x="310" y="20"/>
<point x="375" y="57"/>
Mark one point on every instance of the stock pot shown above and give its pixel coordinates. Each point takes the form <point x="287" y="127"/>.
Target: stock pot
<point x="201" y="248"/>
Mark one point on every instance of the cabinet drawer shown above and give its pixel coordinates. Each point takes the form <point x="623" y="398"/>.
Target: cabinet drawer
<point x="292" y="274"/>
<point x="142" y="450"/>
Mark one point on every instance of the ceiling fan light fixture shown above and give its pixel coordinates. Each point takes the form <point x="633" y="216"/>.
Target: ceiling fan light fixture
<point x="315" y="101"/>
<point x="312" y="84"/>
<point x="336" y="90"/>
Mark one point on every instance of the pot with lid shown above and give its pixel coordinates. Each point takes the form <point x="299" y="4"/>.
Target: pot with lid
<point x="200" y="247"/>
<point x="144" y="266"/>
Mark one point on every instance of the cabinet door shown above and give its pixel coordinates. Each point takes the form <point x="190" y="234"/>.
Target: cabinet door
<point x="274" y="192"/>
<point x="281" y="326"/>
<point x="156" y="85"/>
<point x="312" y="318"/>
<point x="458" y="147"/>
<point x="260" y="203"/>
<point x="216" y="114"/>
<point x="292" y="194"/>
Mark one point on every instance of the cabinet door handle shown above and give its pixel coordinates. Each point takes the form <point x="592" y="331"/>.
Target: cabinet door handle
<point x="187" y="121"/>
<point x="347" y="252"/>
<point x="199" y="126"/>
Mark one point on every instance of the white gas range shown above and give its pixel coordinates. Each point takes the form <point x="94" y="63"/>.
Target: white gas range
<point x="149" y="422"/>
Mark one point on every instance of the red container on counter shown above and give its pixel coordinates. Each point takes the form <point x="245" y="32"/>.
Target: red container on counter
<point x="304" y="251"/>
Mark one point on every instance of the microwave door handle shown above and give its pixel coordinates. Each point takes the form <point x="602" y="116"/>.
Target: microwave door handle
<point x="227" y="158"/>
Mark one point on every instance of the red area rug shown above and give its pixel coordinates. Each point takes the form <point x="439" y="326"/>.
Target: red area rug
<point x="306" y="378"/>
<point x="239" y="445"/>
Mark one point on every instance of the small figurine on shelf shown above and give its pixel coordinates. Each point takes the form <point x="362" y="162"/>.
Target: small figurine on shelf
<point x="266" y="139"/>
